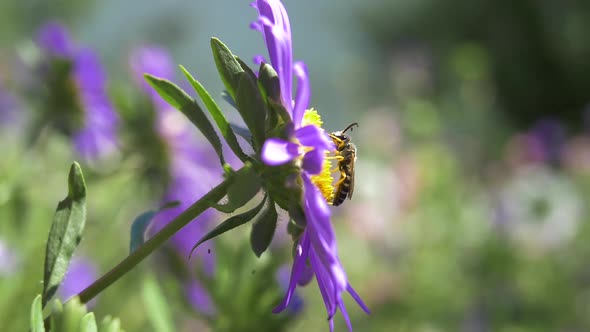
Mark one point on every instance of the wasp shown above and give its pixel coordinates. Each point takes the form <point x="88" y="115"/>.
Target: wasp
<point x="346" y="156"/>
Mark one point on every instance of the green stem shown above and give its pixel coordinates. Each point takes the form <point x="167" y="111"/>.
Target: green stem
<point x="154" y="242"/>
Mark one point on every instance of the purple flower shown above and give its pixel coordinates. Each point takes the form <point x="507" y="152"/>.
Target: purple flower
<point x="191" y="170"/>
<point x="81" y="273"/>
<point x="308" y="145"/>
<point x="96" y="137"/>
<point x="10" y="261"/>
<point x="199" y="298"/>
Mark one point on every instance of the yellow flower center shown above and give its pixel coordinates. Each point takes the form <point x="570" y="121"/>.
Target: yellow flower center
<point x="323" y="180"/>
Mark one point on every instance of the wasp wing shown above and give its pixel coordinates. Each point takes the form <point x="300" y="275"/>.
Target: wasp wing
<point x="351" y="174"/>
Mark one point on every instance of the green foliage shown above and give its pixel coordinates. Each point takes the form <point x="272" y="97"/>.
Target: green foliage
<point x="244" y="185"/>
<point x="231" y="223"/>
<point x="140" y="225"/>
<point x="66" y="232"/>
<point x="37" y="316"/>
<point x="228" y="66"/>
<point x="180" y="100"/>
<point x="158" y="310"/>
<point x="218" y="116"/>
<point x="240" y="82"/>
<point x="71" y="317"/>
<point x="263" y="229"/>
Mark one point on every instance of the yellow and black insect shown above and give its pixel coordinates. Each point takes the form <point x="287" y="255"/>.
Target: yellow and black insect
<point x="346" y="156"/>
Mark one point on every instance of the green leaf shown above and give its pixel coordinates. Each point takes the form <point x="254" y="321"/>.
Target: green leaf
<point x="180" y="100"/>
<point x="263" y="230"/>
<point x="37" y="316"/>
<point x="158" y="310"/>
<point x="252" y="108"/>
<point x="141" y="223"/>
<point x="65" y="233"/>
<point x="245" y="183"/>
<point x="217" y="115"/>
<point x="246" y="68"/>
<point x="230" y="224"/>
<point x="88" y="323"/>
<point x="228" y="67"/>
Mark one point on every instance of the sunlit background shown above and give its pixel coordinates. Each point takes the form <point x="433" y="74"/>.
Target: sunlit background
<point x="470" y="207"/>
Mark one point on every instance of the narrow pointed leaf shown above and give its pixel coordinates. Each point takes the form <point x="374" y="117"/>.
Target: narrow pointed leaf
<point x="65" y="233"/>
<point x="230" y="224"/>
<point x="263" y="230"/>
<point x="88" y="323"/>
<point x="246" y="68"/>
<point x="141" y="223"/>
<point x="37" y="316"/>
<point x="245" y="183"/>
<point x="252" y="108"/>
<point x="217" y="115"/>
<point x="158" y="310"/>
<point x="228" y="67"/>
<point x="180" y="100"/>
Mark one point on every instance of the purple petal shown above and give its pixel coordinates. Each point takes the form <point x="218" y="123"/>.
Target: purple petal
<point x="345" y="315"/>
<point x="258" y="59"/>
<point x="313" y="161"/>
<point x="276" y="151"/>
<point x="306" y="276"/>
<point x="277" y="35"/>
<point x="303" y="92"/>
<point x="357" y="298"/>
<point x="314" y="136"/>
<point x="55" y="39"/>
<point x="301" y="255"/>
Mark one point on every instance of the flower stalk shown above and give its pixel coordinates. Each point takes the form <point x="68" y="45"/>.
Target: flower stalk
<point x="155" y="242"/>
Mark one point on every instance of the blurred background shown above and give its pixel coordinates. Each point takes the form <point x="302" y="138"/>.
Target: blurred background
<point x="473" y="174"/>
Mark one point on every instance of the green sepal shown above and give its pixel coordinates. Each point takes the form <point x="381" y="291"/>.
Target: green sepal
<point x="141" y="223"/>
<point x="230" y="224"/>
<point x="156" y="306"/>
<point x="263" y="229"/>
<point x="245" y="183"/>
<point x="252" y="109"/>
<point x="37" y="316"/>
<point x="180" y="100"/>
<point x="228" y="66"/>
<point x="65" y="233"/>
<point x="217" y="115"/>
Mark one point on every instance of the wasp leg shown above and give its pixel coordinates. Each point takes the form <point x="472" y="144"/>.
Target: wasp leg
<point x="342" y="178"/>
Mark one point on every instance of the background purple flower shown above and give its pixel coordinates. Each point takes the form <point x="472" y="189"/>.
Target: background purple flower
<point x="97" y="135"/>
<point x="81" y="273"/>
<point x="9" y="260"/>
<point x="192" y="168"/>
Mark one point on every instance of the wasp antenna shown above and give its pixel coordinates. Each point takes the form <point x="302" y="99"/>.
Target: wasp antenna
<point x="350" y="127"/>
